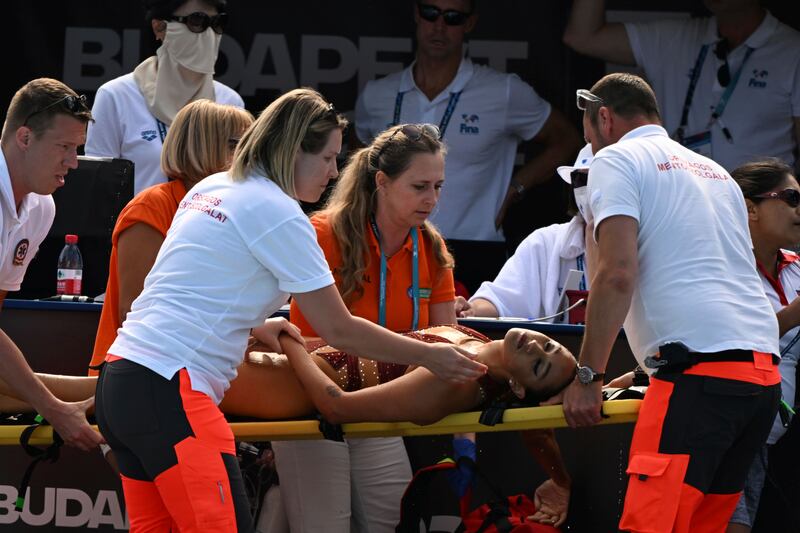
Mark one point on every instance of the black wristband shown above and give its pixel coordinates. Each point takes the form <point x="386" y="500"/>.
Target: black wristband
<point x="640" y="377"/>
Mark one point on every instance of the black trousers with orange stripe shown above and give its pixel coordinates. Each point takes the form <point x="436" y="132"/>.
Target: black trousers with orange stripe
<point x="175" y="451"/>
<point x="694" y="441"/>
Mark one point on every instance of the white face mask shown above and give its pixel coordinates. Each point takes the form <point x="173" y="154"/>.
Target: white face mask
<point x="582" y="200"/>
<point x="196" y="52"/>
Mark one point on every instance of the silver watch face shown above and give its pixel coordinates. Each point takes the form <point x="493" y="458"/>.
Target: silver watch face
<point x="585" y="374"/>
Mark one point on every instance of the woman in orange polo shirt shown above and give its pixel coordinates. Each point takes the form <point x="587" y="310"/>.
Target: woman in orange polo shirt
<point x="391" y="267"/>
<point x="200" y="142"/>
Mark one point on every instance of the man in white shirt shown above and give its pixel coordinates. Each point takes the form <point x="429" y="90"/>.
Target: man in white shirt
<point x="45" y="124"/>
<point x="674" y="262"/>
<point x="483" y="116"/>
<point x="530" y="283"/>
<point x="728" y="85"/>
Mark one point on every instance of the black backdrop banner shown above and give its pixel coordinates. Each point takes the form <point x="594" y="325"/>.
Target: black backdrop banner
<point x="335" y="47"/>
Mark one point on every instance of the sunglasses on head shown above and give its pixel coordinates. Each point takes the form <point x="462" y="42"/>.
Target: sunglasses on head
<point x="73" y="104"/>
<point x="724" y="71"/>
<point x="451" y="17"/>
<point x="413" y="132"/>
<point x="585" y="97"/>
<point x="579" y="177"/>
<point x="199" y="22"/>
<point x="790" y="196"/>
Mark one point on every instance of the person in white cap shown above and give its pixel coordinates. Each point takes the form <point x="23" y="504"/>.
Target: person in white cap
<point x="530" y="283"/>
<point x="529" y="286"/>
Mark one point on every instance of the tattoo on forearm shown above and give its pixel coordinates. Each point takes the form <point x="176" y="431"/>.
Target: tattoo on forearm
<point x="333" y="391"/>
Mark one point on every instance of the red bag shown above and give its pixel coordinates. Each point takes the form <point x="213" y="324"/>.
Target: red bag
<point x="509" y="515"/>
<point x="502" y="515"/>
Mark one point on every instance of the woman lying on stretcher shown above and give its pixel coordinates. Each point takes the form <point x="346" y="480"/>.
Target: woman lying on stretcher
<point x="344" y="388"/>
<point x="290" y="385"/>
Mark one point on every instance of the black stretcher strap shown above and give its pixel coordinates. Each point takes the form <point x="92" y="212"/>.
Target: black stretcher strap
<point x="330" y="431"/>
<point x="51" y="454"/>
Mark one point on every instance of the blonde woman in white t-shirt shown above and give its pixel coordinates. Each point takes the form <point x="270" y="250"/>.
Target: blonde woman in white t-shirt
<point x="238" y="246"/>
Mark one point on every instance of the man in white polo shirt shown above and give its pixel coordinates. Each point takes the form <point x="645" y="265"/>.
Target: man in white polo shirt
<point x="45" y="124"/>
<point x="728" y="85"/>
<point x="674" y="262"/>
<point x="483" y="115"/>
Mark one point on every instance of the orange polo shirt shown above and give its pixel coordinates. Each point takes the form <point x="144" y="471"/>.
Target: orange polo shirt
<point x="435" y="283"/>
<point x="154" y="206"/>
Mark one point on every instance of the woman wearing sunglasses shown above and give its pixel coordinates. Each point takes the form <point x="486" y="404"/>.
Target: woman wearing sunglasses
<point x="772" y="195"/>
<point x="391" y="267"/>
<point x="133" y="112"/>
<point x="238" y="246"/>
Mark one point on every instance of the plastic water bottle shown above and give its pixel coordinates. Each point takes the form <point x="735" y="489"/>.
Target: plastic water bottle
<point x="70" y="267"/>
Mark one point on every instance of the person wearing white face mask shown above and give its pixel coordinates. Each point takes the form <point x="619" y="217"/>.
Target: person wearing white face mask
<point x="529" y="286"/>
<point x="530" y="283"/>
<point x="133" y="112"/>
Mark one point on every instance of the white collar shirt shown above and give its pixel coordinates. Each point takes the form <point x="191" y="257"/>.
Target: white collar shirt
<point x="697" y="282"/>
<point x="21" y="231"/>
<point x="492" y="113"/>
<point x="760" y="112"/>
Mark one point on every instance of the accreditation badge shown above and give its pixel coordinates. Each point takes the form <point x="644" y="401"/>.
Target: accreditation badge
<point x="424" y="293"/>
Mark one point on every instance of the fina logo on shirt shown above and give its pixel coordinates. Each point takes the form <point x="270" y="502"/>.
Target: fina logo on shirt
<point x="469" y="126"/>
<point x="20" y="252"/>
<point x="149" y="135"/>
<point x="759" y="79"/>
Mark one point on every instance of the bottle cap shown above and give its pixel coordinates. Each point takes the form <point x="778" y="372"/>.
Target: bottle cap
<point x="71" y="239"/>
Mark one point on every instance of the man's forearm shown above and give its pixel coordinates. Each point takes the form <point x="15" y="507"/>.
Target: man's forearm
<point x="483" y="307"/>
<point x="20" y="378"/>
<point x="609" y="301"/>
<point x="557" y="150"/>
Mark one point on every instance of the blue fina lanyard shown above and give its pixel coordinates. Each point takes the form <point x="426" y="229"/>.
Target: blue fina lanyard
<point x="723" y="101"/>
<point x="791" y="344"/>
<point x="448" y="113"/>
<point x="414" y="277"/>
<point x="162" y="130"/>
<point x="580" y="264"/>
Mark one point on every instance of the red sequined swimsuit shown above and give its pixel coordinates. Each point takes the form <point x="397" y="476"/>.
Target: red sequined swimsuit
<point x="386" y="371"/>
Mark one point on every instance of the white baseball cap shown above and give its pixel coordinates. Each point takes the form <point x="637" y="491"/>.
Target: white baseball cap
<point x="581" y="163"/>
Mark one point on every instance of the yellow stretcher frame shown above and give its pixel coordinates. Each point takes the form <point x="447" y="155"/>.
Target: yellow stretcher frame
<point x="551" y="416"/>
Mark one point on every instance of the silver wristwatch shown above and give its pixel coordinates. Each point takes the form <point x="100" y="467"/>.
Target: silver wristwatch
<point x="586" y="375"/>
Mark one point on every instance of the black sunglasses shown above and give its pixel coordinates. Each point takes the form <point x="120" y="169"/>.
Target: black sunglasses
<point x="579" y="178"/>
<point x="790" y="196"/>
<point x="73" y="104"/>
<point x="451" y="17"/>
<point x="199" y="22"/>
<point x="413" y="132"/>
<point x="724" y="71"/>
